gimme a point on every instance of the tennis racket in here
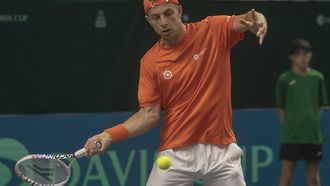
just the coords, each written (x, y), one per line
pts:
(48, 169)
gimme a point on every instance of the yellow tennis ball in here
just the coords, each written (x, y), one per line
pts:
(164, 162)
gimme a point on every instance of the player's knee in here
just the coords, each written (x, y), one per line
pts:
(288, 173)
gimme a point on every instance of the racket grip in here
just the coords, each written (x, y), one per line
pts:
(80, 153)
(83, 152)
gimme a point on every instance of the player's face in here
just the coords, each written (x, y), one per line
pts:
(301, 58)
(165, 20)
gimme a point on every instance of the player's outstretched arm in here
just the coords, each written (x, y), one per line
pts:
(142, 121)
(253, 21)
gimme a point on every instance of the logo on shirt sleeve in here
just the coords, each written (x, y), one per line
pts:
(196, 56)
(167, 74)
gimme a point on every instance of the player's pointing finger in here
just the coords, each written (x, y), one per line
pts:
(253, 12)
(261, 38)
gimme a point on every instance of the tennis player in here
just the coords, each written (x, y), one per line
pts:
(187, 74)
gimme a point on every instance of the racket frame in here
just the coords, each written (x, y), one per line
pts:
(57, 158)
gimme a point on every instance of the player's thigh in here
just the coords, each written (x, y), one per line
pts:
(312, 157)
(234, 180)
(228, 171)
(179, 173)
(312, 152)
(288, 168)
(170, 177)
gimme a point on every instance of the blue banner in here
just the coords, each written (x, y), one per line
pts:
(128, 163)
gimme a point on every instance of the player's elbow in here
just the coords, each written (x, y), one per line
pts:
(152, 115)
(153, 119)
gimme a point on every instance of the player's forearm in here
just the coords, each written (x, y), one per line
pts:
(139, 123)
(142, 121)
(281, 114)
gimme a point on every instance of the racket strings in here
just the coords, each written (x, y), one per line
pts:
(44, 171)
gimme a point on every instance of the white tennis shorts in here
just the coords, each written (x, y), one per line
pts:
(216, 165)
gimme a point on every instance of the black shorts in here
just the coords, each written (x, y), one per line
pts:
(307, 152)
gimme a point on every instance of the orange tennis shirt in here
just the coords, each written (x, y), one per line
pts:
(192, 82)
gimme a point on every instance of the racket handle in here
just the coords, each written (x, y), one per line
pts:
(80, 153)
(83, 152)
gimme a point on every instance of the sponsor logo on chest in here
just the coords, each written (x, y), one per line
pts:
(167, 74)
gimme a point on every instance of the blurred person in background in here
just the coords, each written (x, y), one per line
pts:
(300, 96)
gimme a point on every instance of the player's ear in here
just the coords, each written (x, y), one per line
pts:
(180, 10)
(147, 18)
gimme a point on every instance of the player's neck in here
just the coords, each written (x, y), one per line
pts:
(300, 70)
(167, 43)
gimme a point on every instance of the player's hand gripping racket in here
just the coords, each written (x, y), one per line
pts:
(48, 169)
